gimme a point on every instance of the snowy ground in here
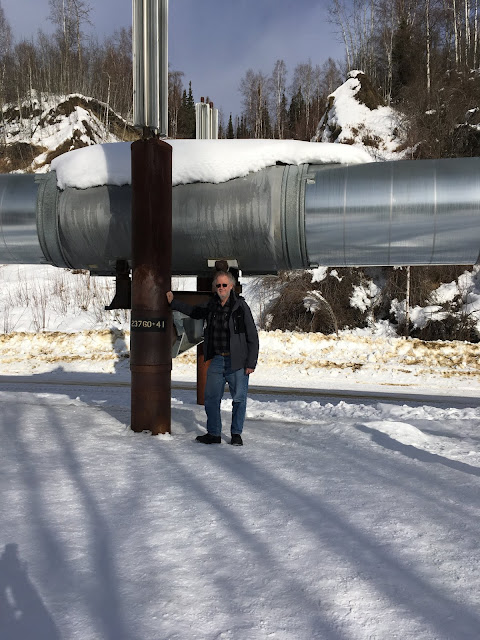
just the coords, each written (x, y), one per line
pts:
(342, 518)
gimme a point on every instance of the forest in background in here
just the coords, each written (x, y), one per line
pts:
(422, 57)
(71, 61)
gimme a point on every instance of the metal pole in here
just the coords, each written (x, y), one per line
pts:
(150, 65)
(407, 304)
(203, 284)
(138, 37)
(202, 369)
(151, 323)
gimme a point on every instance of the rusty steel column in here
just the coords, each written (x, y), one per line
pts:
(203, 284)
(151, 323)
(202, 368)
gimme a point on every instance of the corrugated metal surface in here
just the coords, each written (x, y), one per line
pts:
(394, 213)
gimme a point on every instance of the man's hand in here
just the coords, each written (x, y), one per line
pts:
(169, 295)
(249, 371)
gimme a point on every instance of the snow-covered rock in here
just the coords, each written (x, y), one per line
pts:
(356, 115)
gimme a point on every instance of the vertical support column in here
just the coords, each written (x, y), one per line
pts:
(202, 368)
(151, 323)
(203, 284)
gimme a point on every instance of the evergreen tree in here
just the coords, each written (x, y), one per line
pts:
(242, 129)
(284, 118)
(182, 117)
(296, 114)
(190, 113)
(230, 134)
(405, 59)
(186, 115)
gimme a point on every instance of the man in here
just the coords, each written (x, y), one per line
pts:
(231, 344)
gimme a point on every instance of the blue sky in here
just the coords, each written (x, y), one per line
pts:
(214, 42)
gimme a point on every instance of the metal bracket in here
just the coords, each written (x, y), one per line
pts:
(123, 287)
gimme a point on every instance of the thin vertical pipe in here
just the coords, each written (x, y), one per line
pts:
(138, 64)
(203, 284)
(150, 64)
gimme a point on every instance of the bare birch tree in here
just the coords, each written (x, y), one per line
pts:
(175, 89)
(428, 49)
(331, 77)
(254, 87)
(388, 24)
(475, 35)
(278, 82)
(456, 33)
(70, 17)
(5, 48)
(339, 15)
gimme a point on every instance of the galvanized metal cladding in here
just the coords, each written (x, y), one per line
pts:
(150, 64)
(283, 217)
(206, 120)
(19, 242)
(394, 213)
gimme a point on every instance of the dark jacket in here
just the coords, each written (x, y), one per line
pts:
(243, 332)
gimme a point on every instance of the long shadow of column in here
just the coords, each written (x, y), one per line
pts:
(23, 615)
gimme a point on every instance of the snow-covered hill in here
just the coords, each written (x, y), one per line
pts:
(39, 129)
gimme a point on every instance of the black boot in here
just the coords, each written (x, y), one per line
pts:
(207, 438)
(236, 440)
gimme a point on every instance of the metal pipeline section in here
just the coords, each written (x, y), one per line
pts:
(19, 242)
(285, 217)
(242, 219)
(410, 212)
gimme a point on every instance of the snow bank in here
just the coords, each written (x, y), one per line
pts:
(304, 360)
(198, 160)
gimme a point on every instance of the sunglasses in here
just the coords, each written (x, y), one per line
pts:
(221, 284)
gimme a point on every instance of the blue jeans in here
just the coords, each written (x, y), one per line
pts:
(218, 373)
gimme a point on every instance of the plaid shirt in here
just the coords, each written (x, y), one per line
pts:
(221, 332)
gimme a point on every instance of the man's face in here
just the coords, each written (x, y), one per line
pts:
(223, 287)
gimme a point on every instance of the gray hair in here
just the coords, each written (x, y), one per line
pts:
(227, 274)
